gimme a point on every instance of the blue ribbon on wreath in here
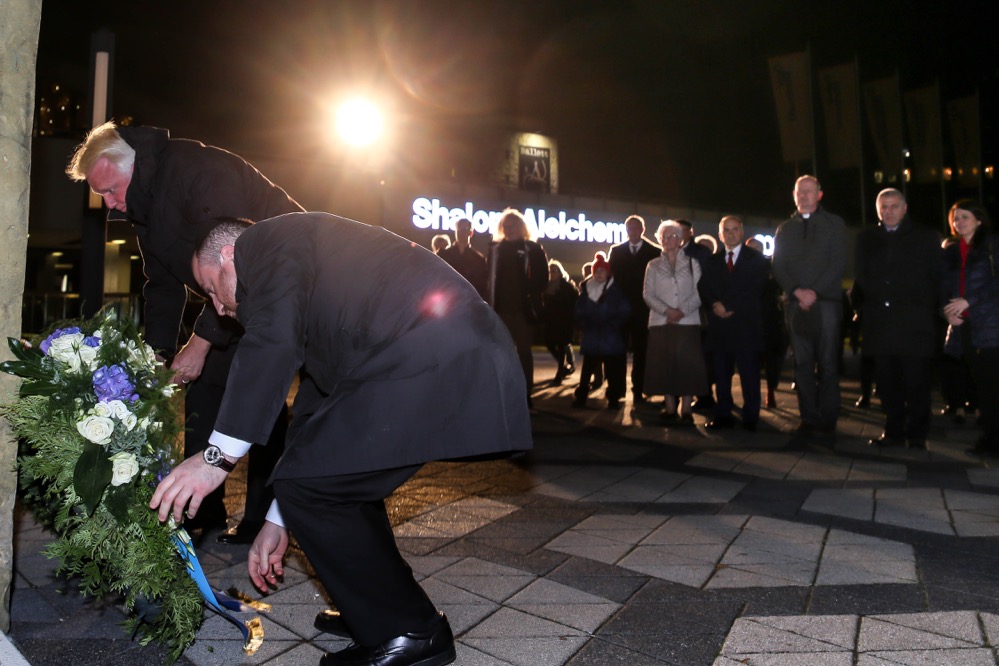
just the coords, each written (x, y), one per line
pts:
(218, 601)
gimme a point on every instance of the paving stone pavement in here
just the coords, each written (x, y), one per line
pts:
(619, 541)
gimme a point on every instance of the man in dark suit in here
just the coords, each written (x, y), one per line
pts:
(469, 262)
(898, 265)
(169, 189)
(401, 362)
(731, 287)
(628, 261)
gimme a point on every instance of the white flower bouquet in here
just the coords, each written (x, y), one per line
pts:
(98, 431)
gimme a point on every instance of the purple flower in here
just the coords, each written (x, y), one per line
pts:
(113, 383)
(92, 341)
(58, 333)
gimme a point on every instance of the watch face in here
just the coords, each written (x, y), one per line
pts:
(213, 455)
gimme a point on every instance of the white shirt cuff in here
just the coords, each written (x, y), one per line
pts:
(274, 514)
(230, 446)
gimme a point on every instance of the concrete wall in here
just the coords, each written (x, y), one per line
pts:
(19, 21)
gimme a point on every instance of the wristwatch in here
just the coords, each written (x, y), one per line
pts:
(213, 456)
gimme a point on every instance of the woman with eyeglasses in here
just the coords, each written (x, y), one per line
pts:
(674, 365)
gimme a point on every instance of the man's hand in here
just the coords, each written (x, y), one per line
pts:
(806, 297)
(190, 360)
(188, 483)
(266, 556)
(719, 309)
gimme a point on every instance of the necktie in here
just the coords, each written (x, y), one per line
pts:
(730, 261)
(634, 249)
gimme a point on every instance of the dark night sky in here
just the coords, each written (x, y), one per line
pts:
(661, 100)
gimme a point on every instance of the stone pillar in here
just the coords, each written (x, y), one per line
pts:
(19, 21)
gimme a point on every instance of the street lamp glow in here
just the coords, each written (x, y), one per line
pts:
(358, 122)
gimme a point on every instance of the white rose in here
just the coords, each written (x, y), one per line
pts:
(102, 409)
(141, 355)
(118, 409)
(123, 468)
(129, 421)
(88, 356)
(64, 347)
(144, 423)
(97, 429)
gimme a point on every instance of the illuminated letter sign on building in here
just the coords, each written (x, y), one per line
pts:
(553, 225)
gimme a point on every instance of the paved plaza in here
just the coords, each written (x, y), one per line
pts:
(618, 541)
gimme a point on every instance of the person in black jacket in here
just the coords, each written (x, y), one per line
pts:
(898, 268)
(558, 315)
(628, 261)
(394, 373)
(171, 190)
(731, 289)
(518, 275)
(971, 289)
(602, 312)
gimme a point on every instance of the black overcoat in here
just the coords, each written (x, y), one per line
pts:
(402, 362)
(178, 188)
(899, 273)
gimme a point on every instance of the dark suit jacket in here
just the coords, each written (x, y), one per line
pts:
(629, 273)
(741, 291)
(402, 361)
(899, 275)
(178, 187)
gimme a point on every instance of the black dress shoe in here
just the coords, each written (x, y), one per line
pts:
(241, 535)
(434, 647)
(750, 427)
(720, 424)
(917, 443)
(330, 622)
(885, 440)
(863, 402)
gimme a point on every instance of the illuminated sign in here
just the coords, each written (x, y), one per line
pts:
(553, 225)
(768, 243)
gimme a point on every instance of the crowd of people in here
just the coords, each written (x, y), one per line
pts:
(316, 296)
(695, 310)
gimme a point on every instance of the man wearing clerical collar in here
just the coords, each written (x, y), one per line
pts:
(809, 261)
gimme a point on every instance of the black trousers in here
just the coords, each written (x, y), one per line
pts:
(904, 386)
(341, 524)
(637, 331)
(201, 408)
(985, 369)
(615, 372)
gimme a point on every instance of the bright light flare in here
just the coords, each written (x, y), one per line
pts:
(359, 122)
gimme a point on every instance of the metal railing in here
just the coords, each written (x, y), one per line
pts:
(42, 309)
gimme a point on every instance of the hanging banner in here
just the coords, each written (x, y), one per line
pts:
(840, 94)
(884, 118)
(791, 81)
(922, 111)
(965, 135)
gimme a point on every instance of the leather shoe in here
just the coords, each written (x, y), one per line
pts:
(885, 440)
(917, 443)
(749, 427)
(434, 647)
(719, 424)
(863, 402)
(241, 535)
(330, 622)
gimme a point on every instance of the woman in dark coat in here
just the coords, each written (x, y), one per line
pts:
(971, 286)
(602, 312)
(558, 314)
